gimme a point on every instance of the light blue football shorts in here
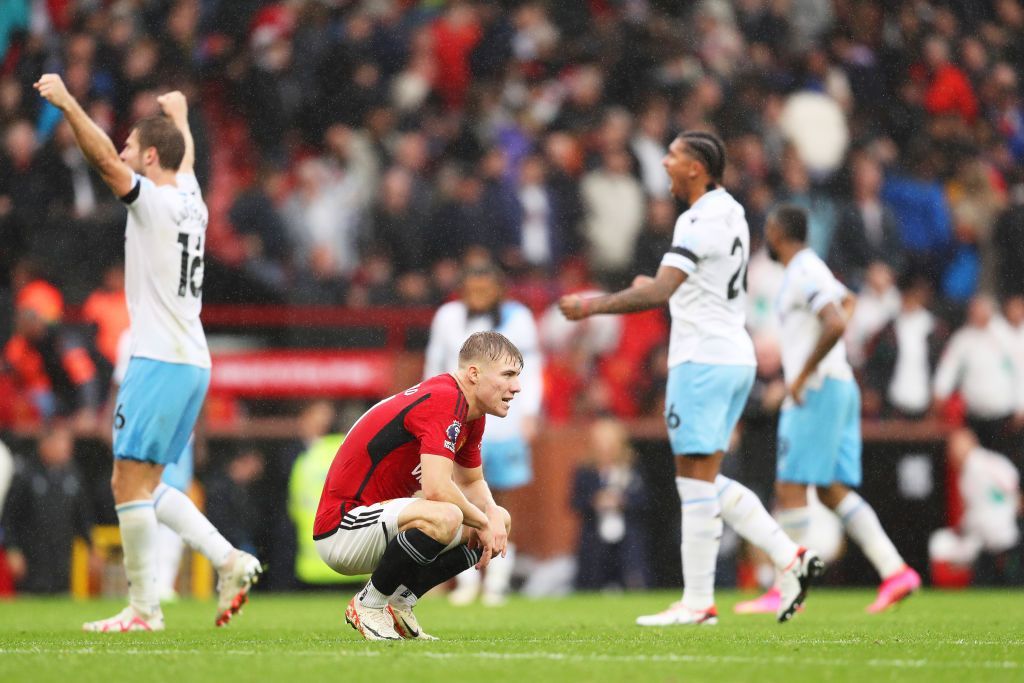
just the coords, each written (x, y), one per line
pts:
(179, 474)
(703, 402)
(157, 407)
(506, 463)
(819, 442)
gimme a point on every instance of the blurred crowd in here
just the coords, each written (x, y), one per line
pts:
(361, 153)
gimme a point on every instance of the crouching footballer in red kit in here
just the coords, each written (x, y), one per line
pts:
(425, 439)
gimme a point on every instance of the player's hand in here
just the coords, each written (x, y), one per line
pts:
(641, 280)
(573, 307)
(499, 530)
(52, 89)
(485, 541)
(174, 105)
(796, 390)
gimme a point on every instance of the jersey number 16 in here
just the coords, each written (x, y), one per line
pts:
(191, 279)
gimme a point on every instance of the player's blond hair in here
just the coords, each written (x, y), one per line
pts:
(492, 346)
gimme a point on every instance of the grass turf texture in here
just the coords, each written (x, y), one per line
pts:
(935, 636)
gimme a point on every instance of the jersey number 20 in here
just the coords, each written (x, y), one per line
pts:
(191, 279)
(741, 271)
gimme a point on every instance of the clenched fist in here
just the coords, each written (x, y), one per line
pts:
(174, 105)
(51, 87)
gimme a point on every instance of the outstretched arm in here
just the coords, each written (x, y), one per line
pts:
(644, 294)
(95, 144)
(175, 106)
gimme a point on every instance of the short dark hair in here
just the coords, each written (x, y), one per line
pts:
(160, 132)
(489, 345)
(709, 150)
(793, 221)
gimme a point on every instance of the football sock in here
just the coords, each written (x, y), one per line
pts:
(177, 511)
(168, 554)
(743, 511)
(863, 526)
(468, 580)
(447, 565)
(702, 534)
(402, 559)
(795, 522)
(138, 542)
(499, 572)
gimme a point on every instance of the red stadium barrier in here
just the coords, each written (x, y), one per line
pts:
(303, 374)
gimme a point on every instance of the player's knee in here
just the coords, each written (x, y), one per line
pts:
(448, 520)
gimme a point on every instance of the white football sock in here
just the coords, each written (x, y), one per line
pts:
(138, 542)
(403, 597)
(702, 533)
(498, 574)
(177, 511)
(371, 597)
(168, 553)
(863, 526)
(468, 580)
(744, 512)
(795, 522)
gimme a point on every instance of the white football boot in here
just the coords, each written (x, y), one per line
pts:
(679, 614)
(796, 580)
(406, 623)
(128, 619)
(373, 623)
(234, 581)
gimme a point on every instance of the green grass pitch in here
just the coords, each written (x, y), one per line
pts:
(935, 636)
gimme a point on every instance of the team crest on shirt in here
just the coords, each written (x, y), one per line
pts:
(452, 435)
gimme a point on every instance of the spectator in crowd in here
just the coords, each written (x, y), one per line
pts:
(878, 302)
(258, 221)
(614, 205)
(867, 231)
(987, 536)
(903, 355)
(47, 507)
(107, 309)
(1008, 243)
(49, 364)
(231, 505)
(980, 363)
(609, 496)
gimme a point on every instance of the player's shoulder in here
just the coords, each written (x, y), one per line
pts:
(445, 396)
(450, 310)
(717, 204)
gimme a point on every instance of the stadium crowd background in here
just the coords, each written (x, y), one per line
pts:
(357, 154)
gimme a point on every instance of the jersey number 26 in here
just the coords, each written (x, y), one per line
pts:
(741, 271)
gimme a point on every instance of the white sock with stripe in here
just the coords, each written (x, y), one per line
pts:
(138, 543)
(795, 522)
(862, 525)
(170, 548)
(702, 534)
(744, 512)
(177, 511)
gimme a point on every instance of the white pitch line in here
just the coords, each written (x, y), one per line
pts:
(547, 656)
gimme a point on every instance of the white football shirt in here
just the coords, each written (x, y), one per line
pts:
(711, 244)
(163, 251)
(807, 287)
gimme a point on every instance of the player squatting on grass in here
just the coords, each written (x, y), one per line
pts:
(169, 370)
(425, 439)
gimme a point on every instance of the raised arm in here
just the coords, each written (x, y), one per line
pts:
(175, 106)
(94, 143)
(644, 294)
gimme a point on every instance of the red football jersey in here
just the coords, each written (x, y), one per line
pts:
(380, 457)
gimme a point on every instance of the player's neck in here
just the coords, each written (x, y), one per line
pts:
(699, 190)
(161, 176)
(788, 251)
(474, 410)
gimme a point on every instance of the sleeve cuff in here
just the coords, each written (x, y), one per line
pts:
(134, 193)
(679, 262)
